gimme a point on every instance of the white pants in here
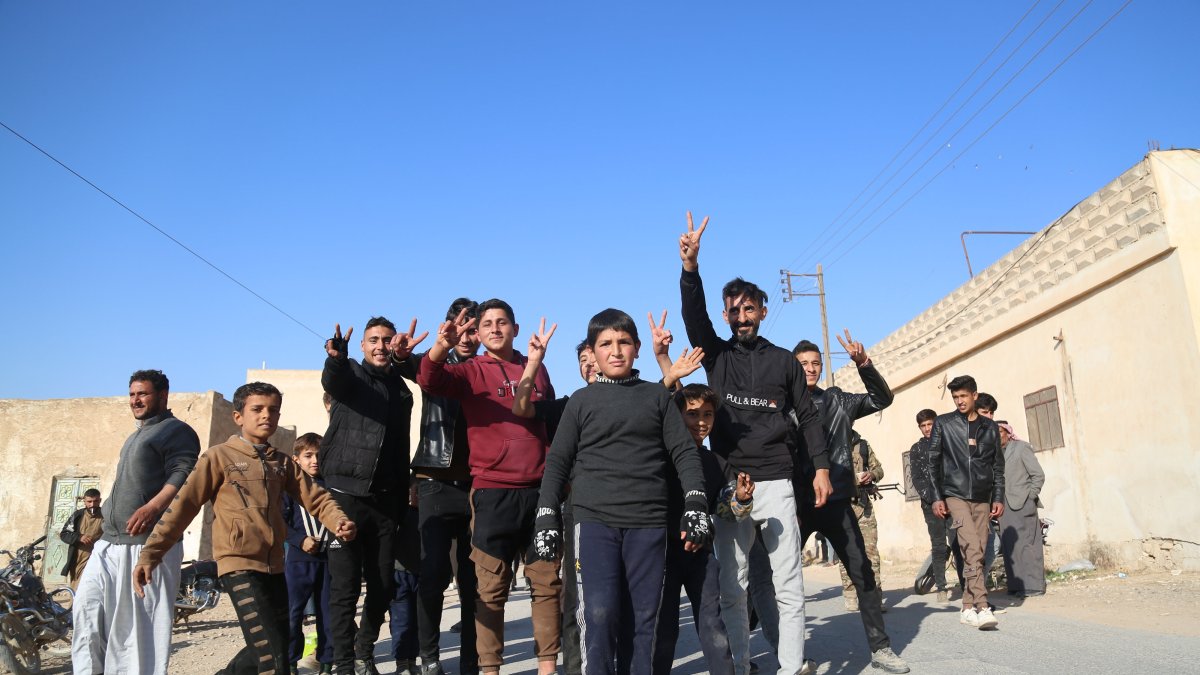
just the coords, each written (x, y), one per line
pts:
(117, 632)
(775, 512)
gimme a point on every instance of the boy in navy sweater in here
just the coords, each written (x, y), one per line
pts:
(306, 566)
(615, 443)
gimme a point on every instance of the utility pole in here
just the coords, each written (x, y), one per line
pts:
(786, 281)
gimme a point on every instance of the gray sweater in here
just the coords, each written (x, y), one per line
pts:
(161, 452)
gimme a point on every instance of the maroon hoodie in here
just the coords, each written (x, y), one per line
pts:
(506, 451)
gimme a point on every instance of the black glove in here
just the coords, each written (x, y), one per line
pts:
(695, 523)
(547, 534)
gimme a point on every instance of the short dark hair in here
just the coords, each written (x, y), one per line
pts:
(739, 287)
(963, 382)
(695, 392)
(579, 348)
(156, 378)
(926, 415)
(986, 401)
(459, 305)
(327, 398)
(306, 441)
(497, 303)
(91, 492)
(805, 346)
(613, 319)
(253, 389)
(379, 321)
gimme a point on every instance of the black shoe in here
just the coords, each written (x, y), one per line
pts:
(456, 628)
(365, 667)
(432, 668)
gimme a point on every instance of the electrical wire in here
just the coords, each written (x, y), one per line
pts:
(161, 231)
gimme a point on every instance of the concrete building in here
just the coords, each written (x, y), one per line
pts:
(1088, 335)
(53, 450)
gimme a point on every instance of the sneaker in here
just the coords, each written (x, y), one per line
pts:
(407, 667)
(969, 617)
(851, 604)
(432, 668)
(943, 595)
(986, 620)
(885, 659)
(809, 668)
(365, 667)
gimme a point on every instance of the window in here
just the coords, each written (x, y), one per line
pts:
(910, 491)
(1041, 415)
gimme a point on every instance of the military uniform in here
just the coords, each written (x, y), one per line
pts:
(864, 511)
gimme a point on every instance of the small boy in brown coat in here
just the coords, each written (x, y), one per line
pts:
(245, 478)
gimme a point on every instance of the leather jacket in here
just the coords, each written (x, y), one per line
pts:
(839, 410)
(918, 470)
(439, 415)
(958, 469)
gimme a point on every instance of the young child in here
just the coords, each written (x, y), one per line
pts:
(306, 567)
(614, 444)
(697, 573)
(245, 478)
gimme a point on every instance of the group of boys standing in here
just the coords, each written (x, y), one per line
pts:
(507, 472)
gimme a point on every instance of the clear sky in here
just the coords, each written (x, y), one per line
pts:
(350, 159)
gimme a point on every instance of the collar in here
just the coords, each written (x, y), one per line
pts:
(153, 420)
(624, 380)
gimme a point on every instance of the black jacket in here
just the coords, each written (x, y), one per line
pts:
(957, 468)
(70, 536)
(918, 470)
(439, 416)
(755, 386)
(839, 410)
(371, 406)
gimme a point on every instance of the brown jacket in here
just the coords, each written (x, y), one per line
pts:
(246, 490)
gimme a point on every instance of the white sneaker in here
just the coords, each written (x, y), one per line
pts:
(969, 617)
(809, 668)
(987, 620)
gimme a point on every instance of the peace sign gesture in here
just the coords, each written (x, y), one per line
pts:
(450, 332)
(539, 341)
(336, 346)
(689, 244)
(402, 344)
(660, 337)
(855, 349)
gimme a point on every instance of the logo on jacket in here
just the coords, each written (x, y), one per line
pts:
(237, 467)
(751, 402)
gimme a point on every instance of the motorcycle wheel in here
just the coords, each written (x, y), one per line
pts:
(18, 653)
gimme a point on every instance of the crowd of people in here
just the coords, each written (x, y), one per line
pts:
(613, 499)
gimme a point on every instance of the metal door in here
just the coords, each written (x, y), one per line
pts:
(66, 496)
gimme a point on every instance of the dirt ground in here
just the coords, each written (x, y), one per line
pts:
(1160, 602)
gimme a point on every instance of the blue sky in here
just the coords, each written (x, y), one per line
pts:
(349, 160)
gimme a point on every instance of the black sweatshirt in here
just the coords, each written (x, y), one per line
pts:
(619, 439)
(756, 385)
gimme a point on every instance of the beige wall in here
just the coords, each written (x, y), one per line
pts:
(1117, 335)
(83, 437)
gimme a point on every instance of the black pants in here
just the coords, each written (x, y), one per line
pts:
(261, 603)
(837, 522)
(939, 536)
(445, 525)
(369, 558)
(571, 654)
(697, 574)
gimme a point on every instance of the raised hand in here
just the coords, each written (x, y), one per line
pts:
(855, 349)
(402, 344)
(450, 332)
(687, 363)
(660, 337)
(689, 244)
(539, 341)
(336, 346)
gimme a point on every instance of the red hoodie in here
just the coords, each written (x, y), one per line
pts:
(506, 451)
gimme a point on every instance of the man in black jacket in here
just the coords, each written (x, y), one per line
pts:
(966, 477)
(940, 534)
(364, 459)
(80, 533)
(756, 383)
(443, 488)
(836, 520)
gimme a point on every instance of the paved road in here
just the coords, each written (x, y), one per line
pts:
(927, 635)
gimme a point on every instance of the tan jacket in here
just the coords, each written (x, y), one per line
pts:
(246, 491)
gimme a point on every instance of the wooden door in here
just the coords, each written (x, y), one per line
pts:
(66, 495)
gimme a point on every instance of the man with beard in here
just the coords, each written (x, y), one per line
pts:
(756, 383)
(80, 533)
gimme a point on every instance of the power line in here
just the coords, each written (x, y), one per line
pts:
(964, 125)
(978, 138)
(158, 229)
(921, 130)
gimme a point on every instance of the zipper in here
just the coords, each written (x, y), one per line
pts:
(241, 490)
(262, 459)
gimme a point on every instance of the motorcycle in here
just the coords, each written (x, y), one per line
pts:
(199, 590)
(30, 618)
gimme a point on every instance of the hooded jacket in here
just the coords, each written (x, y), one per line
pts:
(958, 468)
(245, 485)
(755, 386)
(371, 406)
(507, 451)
